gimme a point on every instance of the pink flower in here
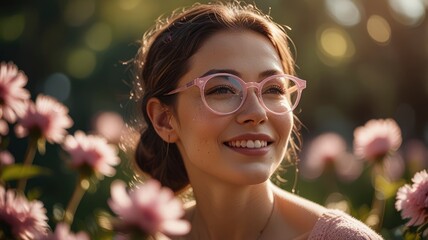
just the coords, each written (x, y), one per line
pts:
(47, 117)
(109, 125)
(26, 220)
(376, 139)
(149, 208)
(6, 158)
(13, 95)
(330, 149)
(93, 152)
(62, 232)
(412, 200)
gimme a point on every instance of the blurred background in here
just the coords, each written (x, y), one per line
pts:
(362, 59)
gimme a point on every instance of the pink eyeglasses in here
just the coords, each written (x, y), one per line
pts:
(225, 93)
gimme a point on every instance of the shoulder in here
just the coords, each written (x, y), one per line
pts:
(317, 222)
(335, 224)
(297, 212)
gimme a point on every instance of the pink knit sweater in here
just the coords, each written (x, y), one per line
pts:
(335, 224)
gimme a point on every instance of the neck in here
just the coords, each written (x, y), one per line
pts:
(231, 212)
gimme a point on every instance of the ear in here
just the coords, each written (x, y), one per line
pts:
(161, 117)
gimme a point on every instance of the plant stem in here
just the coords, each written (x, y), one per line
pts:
(28, 160)
(375, 219)
(81, 186)
(378, 209)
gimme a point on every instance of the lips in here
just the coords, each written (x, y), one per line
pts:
(248, 143)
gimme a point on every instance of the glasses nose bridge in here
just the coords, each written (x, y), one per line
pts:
(256, 86)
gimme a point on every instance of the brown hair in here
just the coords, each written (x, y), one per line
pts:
(163, 59)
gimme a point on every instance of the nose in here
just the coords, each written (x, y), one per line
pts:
(252, 110)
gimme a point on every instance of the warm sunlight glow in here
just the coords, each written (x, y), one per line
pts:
(379, 29)
(408, 12)
(334, 43)
(345, 12)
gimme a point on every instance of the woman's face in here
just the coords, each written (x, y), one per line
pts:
(206, 140)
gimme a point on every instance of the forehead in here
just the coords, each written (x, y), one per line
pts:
(245, 51)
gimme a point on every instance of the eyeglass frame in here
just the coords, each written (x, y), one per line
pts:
(200, 82)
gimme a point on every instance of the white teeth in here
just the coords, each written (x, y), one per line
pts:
(248, 143)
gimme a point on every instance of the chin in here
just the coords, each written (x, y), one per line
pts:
(252, 177)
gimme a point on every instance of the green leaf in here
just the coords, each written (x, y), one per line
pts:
(19, 171)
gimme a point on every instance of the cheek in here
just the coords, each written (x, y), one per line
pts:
(191, 109)
(290, 124)
(197, 131)
(193, 117)
(199, 143)
(284, 127)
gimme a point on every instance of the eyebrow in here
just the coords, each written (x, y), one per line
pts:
(263, 74)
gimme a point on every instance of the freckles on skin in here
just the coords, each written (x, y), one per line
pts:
(199, 119)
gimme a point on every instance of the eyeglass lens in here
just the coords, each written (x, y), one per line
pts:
(225, 94)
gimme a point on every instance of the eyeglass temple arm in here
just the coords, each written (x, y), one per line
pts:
(301, 84)
(182, 88)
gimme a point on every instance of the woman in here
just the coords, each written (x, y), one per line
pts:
(217, 90)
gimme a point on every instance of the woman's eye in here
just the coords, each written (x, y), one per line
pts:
(223, 89)
(274, 89)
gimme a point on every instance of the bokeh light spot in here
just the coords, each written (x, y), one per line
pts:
(138, 14)
(128, 4)
(77, 12)
(99, 36)
(335, 45)
(344, 12)
(58, 85)
(12, 27)
(408, 12)
(379, 29)
(333, 42)
(81, 63)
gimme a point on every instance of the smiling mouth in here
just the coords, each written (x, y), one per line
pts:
(247, 144)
